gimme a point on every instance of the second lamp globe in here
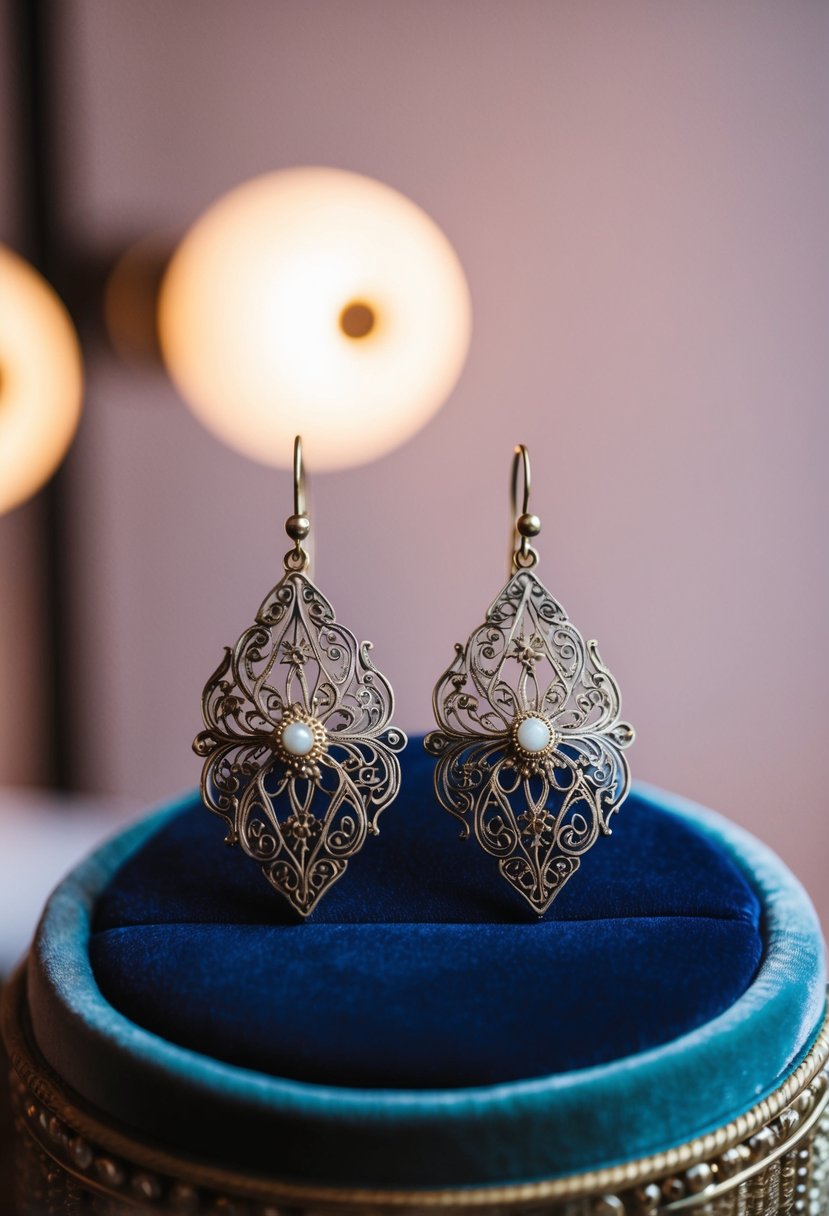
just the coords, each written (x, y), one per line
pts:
(316, 300)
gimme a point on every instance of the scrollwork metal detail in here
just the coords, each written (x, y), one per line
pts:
(300, 815)
(529, 740)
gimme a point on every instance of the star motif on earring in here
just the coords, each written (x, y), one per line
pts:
(527, 650)
(302, 826)
(296, 653)
(536, 823)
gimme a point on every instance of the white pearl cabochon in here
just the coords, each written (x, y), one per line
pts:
(533, 734)
(297, 738)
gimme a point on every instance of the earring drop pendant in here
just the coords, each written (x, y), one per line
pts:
(530, 741)
(299, 754)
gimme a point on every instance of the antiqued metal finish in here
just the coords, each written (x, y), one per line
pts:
(300, 757)
(771, 1161)
(529, 739)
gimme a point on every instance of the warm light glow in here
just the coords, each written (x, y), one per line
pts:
(41, 380)
(320, 302)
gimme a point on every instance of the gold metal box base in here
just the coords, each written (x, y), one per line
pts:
(774, 1160)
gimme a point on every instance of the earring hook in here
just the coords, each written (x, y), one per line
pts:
(523, 525)
(298, 525)
(299, 478)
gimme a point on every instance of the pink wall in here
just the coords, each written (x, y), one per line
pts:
(639, 193)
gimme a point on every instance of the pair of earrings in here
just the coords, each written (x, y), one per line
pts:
(301, 759)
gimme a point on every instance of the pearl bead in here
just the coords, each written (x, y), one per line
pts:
(297, 738)
(533, 735)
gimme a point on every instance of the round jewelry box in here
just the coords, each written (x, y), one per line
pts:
(180, 1043)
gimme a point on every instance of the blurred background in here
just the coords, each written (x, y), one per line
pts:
(638, 195)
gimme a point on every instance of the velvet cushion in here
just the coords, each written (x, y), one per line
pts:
(422, 968)
(667, 856)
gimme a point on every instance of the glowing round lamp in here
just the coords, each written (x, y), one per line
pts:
(41, 380)
(314, 301)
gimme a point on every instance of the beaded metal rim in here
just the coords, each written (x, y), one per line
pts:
(526, 762)
(680, 1178)
(306, 765)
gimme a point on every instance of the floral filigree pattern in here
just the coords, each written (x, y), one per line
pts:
(300, 759)
(530, 741)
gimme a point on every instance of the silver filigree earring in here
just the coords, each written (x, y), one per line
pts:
(530, 742)
(300, 759)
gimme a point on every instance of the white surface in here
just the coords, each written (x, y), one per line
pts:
(44, 836)
(249, 317)
(41, 384)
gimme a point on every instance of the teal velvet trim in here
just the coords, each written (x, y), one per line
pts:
(413, 1139)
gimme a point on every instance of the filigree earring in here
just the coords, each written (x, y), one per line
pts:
(300, 759)
(530, 742)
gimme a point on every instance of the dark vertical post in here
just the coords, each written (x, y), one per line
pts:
(35, 33)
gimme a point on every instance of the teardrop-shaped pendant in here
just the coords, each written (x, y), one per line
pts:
(529, 740)
(300, 759)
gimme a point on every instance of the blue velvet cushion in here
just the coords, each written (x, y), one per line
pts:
(423, 1031)
(422, 968)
